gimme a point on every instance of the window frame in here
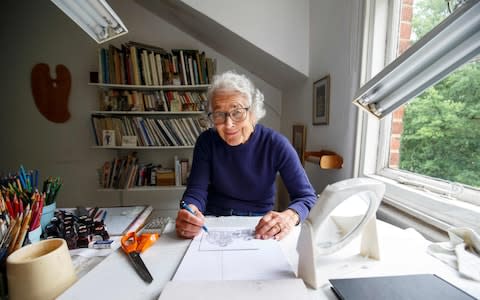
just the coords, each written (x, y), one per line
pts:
(418, 197)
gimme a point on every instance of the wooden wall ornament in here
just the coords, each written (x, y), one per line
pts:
(51, 95)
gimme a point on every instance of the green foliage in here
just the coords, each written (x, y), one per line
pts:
(426, 15)
(441, 136)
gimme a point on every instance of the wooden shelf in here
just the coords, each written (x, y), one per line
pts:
(147, 189)
(108, 112)
(142, 147)
(200, 87)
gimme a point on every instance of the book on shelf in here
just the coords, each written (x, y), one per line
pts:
(125, 172)
(178, 54)
(211, 68)
(95, 126)
(147, 47)
(159, 68)
(153, 68)
(148, 131)
(175, 133)
(178, 172)
(165, 177)
(164, 101)
(101, 66)
(184, 170)
(106, 171)
(153, 130)
(145, 68)
(133, 100)
(129, 167)
(135, 70)
(142, 64)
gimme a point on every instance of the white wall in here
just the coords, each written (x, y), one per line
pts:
(279, 27)
(334, 34)
(334, 29)
(38, 32)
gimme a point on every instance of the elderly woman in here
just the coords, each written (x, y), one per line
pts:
(235, 165)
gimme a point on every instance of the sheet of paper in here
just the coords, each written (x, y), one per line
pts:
(236, 290)
(235, 258)
(228, 239)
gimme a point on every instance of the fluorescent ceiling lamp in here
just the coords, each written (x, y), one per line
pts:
(449, 45)
(95, 17)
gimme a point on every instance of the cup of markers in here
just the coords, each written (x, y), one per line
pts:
(21, 208)
(51, 186)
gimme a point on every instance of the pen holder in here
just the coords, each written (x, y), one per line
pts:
(40, 271)
(47, 214)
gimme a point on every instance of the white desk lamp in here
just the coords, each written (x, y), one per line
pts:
(343, 210)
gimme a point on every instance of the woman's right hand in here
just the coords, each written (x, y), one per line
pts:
(188, 225)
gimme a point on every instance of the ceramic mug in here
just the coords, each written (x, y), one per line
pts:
(40, 271)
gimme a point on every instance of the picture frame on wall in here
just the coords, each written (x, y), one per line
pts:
(321, 101)
(298, 140)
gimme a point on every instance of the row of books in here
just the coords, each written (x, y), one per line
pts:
(131, 100)
(141, 64)
(127, 172)
(148, 131)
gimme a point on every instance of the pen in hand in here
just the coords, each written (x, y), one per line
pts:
(187, 208)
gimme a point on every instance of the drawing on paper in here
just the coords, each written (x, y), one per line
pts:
(240, 239)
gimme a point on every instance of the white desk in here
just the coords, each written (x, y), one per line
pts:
(402, 252)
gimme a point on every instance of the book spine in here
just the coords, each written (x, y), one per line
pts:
(178, 175)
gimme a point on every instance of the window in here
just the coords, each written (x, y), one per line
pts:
(428, 150)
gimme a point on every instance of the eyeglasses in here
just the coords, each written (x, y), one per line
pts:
(236, 115)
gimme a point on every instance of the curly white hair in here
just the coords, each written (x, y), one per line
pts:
(233, 81)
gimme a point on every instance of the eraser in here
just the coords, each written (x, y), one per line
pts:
(100, 244)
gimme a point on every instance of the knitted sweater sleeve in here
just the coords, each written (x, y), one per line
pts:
(302, 194)
(199, 179)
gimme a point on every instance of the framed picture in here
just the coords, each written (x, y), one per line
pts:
(298, 140)
(108, 138)
(321, 101)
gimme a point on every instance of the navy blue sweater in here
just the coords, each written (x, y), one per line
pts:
(242, 177)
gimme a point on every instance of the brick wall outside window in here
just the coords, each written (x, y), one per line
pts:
(397, 119)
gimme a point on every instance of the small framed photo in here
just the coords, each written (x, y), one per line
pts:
(129, 141)
(321, 101)
(298, 140)
(108, 138)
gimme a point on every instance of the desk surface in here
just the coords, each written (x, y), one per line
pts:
(402, 252)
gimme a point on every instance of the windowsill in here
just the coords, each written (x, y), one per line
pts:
(405, 219)
(429, 213)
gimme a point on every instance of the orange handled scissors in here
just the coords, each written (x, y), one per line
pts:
(133, 245)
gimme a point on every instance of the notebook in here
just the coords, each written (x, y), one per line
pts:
(402, 287)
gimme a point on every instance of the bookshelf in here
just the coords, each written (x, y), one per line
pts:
(151, 109)
(158, 129)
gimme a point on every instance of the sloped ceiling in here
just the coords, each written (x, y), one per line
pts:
(226, 42)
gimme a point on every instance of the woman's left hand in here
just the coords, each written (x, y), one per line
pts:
(276, 224)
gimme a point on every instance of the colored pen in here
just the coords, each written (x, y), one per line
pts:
(104, 215)
(187, 208)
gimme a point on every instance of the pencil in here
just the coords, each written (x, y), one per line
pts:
(187, 208)
(24, 229)
(15, 233)
(4, 242)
